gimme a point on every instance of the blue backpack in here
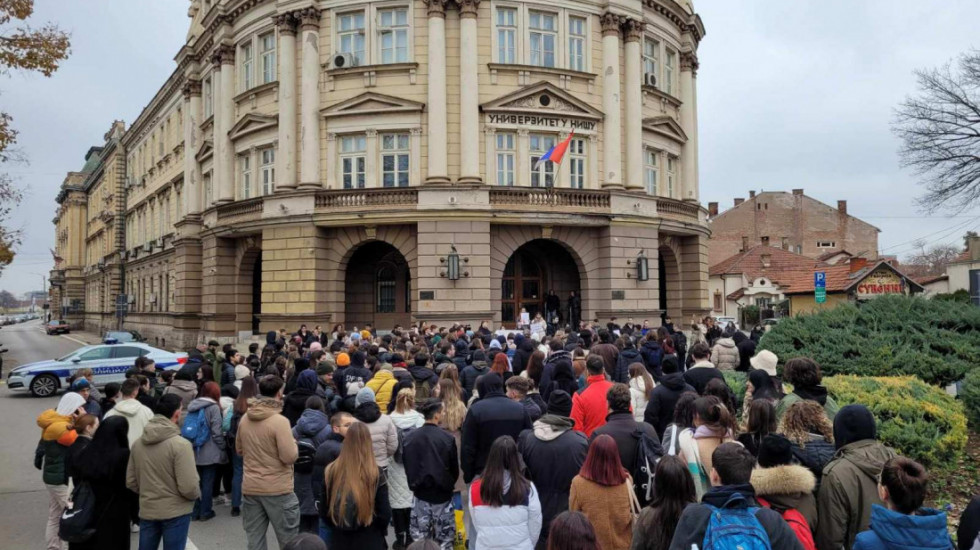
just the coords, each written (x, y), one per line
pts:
(735, 528)
(196, 428)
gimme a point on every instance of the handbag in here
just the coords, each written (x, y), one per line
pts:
(634, 502)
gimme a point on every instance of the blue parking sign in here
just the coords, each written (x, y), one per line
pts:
(820, 286)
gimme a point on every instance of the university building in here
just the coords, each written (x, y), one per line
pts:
(378, 161)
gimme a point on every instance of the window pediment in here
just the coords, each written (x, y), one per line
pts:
(665, 126)
(205, 151)
(531, 100)
(371, 103)
(252, 123)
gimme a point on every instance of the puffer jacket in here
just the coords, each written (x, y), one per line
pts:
(384, 434)
(788, 487)
(213, 451)
(652, 355)
(817, 453)
(638, 397)
(510, 527)
(383, 383)
(626, 357)
(890, 530)
(53, 447)
(725, 354)
(137, 414)
(848, 489)
(162, 471)
(399, 495)
(313, 426)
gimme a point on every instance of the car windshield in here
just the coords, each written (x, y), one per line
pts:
(119, 336)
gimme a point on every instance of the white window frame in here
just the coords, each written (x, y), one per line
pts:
(506, 158)
(507, 53)
(670, 167)
(246, 57)
(245, 180)
(670, 71)
(544, 34)
(268, 56)
(578, 163)
(651, 171)
(577, 50)
(826, 244)
(353, 33)
(547, 168)
(208, 92)
(267, 170)
(395, 30)
(353, 154)
(651, 57)
(397, 151)
(521, 32)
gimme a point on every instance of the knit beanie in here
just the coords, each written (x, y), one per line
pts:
(316, 346)
(343, 359)
(854, 423)
(559, 403)
(241, 371)
(364, 395)
(775, 450)
(324, 367)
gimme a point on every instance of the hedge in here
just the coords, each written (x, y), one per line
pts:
(970, 394)
(937, 341)
(737, 381)
(918, 420)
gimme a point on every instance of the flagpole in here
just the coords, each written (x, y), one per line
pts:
(563, 156)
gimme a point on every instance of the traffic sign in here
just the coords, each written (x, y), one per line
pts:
(820, 286)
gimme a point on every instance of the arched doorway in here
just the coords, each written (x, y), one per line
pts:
(533, 270)
(670, 282)
(377, 287)
(256, 293)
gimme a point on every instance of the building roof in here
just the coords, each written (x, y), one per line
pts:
(751, 265)
(830, 254)
(929, 279)
(839, 278)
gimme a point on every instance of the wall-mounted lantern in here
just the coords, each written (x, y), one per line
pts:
(642, 267)
(452, 261)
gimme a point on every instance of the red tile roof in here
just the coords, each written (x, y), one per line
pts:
(839, 278)
(750, 263)
(830, 254)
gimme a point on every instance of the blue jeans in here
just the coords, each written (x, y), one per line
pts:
(173, 532)
(324, 533)
(202, 506)
(236, 480)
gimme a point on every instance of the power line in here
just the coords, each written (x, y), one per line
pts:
(954, 228)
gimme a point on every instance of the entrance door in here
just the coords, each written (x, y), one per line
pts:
(521, 287)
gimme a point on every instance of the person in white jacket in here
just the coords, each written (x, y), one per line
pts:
(138, 414)
(641, 387)
(504, 508)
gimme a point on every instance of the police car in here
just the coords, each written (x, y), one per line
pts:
(109, 363)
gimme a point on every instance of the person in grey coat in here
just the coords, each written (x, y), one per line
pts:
(212, 453)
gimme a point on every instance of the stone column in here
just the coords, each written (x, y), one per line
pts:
(310, 100)
(523, 176)
(372, 177)
(689, 155)
(225, 161)
(218, 144)
(438, 160)
(192, 170)
(611, 126)
(286, 155)
(469, 99)
(633, 30)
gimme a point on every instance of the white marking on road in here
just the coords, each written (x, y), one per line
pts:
(74, 339)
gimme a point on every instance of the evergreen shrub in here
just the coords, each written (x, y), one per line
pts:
(970, 394)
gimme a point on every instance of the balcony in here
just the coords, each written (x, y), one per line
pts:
(534, 199)
(350, 200)
(247, 210)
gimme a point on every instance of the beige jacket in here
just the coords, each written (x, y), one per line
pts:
(265, 442)
(161, 470)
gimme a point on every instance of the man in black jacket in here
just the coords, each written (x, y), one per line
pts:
(431, 466)
(524, 351)
(703, 370)
(621, 426)
(493, 416)
(554, 453)
(731, 490)
(468, 375)
(557, 355)
(423, 375)
(660, 409)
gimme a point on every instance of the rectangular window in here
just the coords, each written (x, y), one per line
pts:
(393, 34)
(671, 175)
(669, 72)
(267, 45)
(826, 244)
(208, 190)
(248, 66)
(506, 158)
(576, 43)
(717, 306)
(394, 160)
(651, 170)
(577, 163)
(208, 97)
(651, 59)
(350, 35)
(763, 302)
(543, 35)
(506, 35)
(352, 160)
(544, 175)
(268, 171)
(245, 165)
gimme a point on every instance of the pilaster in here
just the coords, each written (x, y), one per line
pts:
(689, 121)
(469, 99)
(633, 32)
(310, 99)
(438, 162)
(286, 153)
(225, 160)
(612, 127)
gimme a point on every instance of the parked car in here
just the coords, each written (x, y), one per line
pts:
(122, 337)
(58, 326)
(109, 363)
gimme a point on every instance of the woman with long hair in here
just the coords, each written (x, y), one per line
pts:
(762, 422)
(760, 386)
(453, 408)
(103, 466)
(212, 453)
(603, 491)
(501, 366)
(682, 425)
(713, 425)
(572, 531)
(535, 367)
(356, 498)
(504, 508)
(452, 373)
(810, 435)
(641, 389)
(406, 419)
(673, 490)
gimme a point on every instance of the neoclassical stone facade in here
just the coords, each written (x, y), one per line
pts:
(317, 161)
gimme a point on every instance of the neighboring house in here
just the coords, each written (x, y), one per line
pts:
(964, 273)
(754, 278)
(856, 280)
(934, 284)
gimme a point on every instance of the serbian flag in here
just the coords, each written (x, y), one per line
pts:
(556, 153)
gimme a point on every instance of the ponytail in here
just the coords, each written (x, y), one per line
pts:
(715, 415)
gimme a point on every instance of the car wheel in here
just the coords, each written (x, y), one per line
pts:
(44, 385)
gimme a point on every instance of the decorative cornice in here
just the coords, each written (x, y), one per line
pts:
(309, 19)
(468, 8)
(611, 23)
(689, 61)
(436, 8)
(192, 88)
(286, 22)
(633, 29)
(224, 54)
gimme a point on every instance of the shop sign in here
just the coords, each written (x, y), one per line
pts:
(881, 281)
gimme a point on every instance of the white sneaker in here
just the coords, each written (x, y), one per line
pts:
(134, 528)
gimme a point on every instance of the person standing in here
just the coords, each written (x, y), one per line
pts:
(589, 408)
(85, 426)
(811, 436)
(136, 414)
(406, 420)
(641, 390)
(311, 430)
(663, 399)
(490, 418)
(703, 370)
(431, 467)
(161, 470)
(294, 404)
(603, 492)
(57, 436)
(574, 310)
(268, 450)
(805, 377)
(609, 354)
(713, 426)
(384, 434)
(356, 505)
(210, 454)
(785, 487)
(103, 466)
(326, 453)
(517, 389)
(673, 490)
(503, 506)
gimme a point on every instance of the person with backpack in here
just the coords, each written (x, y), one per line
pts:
(673, 491)
(637, 442)
(431, 468)
(406, 420)
(425, 378)
(294, 404)
(57, 435)
(729, 517)
(663, 399)
(311, 430)
(603, 491)
(786, 488)
(202, 427)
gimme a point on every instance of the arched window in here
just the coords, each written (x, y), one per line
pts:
(385, 284)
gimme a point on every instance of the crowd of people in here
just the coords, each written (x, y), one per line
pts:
(607, 437)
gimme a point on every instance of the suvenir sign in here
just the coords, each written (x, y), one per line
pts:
(880, 282)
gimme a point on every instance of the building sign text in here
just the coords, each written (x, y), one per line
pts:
(543, 121)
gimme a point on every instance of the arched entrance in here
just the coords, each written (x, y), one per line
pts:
(377, 287)
(670, 282)
(248, 290)
(533, 270)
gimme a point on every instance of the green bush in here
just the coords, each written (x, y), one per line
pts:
(970, 394)
(918, 420)
(937, 341)
(961, 295)
(737, 381)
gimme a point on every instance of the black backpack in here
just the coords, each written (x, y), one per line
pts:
(304, 460)
(78, 521)
(648, 454)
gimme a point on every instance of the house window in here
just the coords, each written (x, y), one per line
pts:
(717, 306)
(506, 35)
(268, 170)
(267, 47)
(651, 170)
(543, 35)
(394, 160)
(576, 163)
(763, 302)
(671, 175)
(245, 164)
(386, 290)
(826, 244)
(208, 190)
(543, 175)
(248, 66)
(669, 61)
(506, 157)
(352, 160)
(350, 35)
(393, 31)
(651, 58)
(208, 97)
(164, 216)
(576, 43)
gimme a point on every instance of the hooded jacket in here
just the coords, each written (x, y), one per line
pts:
(162, 471)
(384, 434)
(652, 355)
(788, 487)
(725, 355)
(554, 453)
(847, 491)
(468, 375)
(558, 360)
(383, 384)
(136, 413)
(817, 453)
(423, 375)
(891, 530)
(525, 349)
(660, 409)
(627, 356)
(53, 447)
(185, 389)
(267, 448)
(814, 393)
(294, 403)
(700, 374)
(213, 451)
(314, 427)
(431, 463)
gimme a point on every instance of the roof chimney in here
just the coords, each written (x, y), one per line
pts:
(766, 260)
(739, 201)
(751, 194)
(857, 264)
(842, 207)
(798, 192)
(712, 209)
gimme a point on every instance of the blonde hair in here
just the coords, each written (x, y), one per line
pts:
(453, 409)
(353, 478)
(405, 401)
(802, 419)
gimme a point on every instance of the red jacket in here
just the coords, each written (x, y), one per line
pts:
(590, 408)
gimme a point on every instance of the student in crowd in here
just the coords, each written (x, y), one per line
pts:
(731, 495)
(760, 387)
(713, 426)
(185, 383)
(268, 450)
(517, 389)
(968, 533)
(111, 395)
(811, 436)
(384, 434)
(786, 487)
(850, 482)
(326, 453)
(103, 466)
(425, 378)
(212, 453)
(554, 453)
(761, 422)
(383, 384)
(294, 404)
(161, 470)
(562, 379)
(431, 467)
(57, 436)
(535, 367)
(805, 377)
(357, 509)
(663, 399)
(673, 491)
(310, 431)
(641, 390)
(488, 419)
(652, 354)
(703, 370)
(603, 491)
(406, 420)
(83, 387)
(249, 390)
(746, 349)
(85, 426)
(724, 354)
(504, 509)
(623, 428)
(469, 373)
(136, 414)
(573, 531)
(589, 408)
(628, 356)
(609, 354)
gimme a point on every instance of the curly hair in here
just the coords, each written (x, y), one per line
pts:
(802, 371)
(804, 418)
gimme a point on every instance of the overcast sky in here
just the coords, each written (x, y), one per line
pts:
(793, 94)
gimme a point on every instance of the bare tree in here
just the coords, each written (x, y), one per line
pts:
(940, 133)
(931, 261)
